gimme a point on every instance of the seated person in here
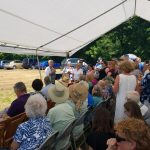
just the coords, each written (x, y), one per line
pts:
(97, 95)
(145, 110)
(132, 110)
(131, 134)
(102, 130)
(37, 85)
(32, 133)
(62, 114)
(48, 84)
(17, 106)
(78, 94)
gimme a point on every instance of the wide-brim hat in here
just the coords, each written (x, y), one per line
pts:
(65, 80)
(78, 91)
(58, 93)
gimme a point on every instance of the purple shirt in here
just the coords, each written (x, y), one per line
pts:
(17, 106)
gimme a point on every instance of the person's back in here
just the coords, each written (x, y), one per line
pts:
(60, 116)
(34, 130)
(102, 130)
(17, 106)
(45, 89)
(126, 83)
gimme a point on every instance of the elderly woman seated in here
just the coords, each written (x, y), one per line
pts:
(32, 133)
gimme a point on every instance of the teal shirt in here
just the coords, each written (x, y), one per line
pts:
(97, 100)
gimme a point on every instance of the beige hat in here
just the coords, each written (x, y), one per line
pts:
(65, 80)
(78, 92)
(58, 93)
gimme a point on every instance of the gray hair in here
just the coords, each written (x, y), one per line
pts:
(20, 86)
(47, 80)
(133, 96)
(35, 106)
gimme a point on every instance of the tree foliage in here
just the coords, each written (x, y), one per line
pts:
(132, 36)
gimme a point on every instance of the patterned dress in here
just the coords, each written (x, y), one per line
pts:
(32, 133)
(145, 94)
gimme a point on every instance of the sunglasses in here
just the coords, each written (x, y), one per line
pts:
(119, 139)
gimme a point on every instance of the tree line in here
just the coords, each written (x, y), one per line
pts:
(133, 36)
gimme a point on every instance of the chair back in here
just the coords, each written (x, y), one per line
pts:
(48, 144)
(11, 128)
(67, 130)
(50, 105)
(80, 120)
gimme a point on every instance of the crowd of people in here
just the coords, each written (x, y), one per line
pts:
(125, 81)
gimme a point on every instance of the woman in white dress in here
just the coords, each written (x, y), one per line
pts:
(124, 82)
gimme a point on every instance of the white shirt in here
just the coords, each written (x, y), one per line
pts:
(47, 71)
(45, 91)
(77, 73)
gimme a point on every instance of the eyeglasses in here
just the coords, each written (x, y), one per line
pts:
(119, 139)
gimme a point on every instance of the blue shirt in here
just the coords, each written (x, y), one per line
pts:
(32, 133)
(90, 100)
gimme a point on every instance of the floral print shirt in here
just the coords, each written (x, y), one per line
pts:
(32, 133)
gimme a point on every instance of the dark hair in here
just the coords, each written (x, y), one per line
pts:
(20, 86)
(134, 109)
(102, 121)
(105, 62)
(37, 84)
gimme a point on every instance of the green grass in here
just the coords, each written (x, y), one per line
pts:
(9, 77)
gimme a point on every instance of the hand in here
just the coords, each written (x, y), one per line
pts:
(112, 144)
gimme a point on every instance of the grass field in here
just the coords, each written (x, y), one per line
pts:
(7, 80)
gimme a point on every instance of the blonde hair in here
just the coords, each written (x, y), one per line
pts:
(35, 106)
(126, 66)
(135, 130)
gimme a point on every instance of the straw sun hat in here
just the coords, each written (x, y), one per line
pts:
(65, 80)
(78, 92)
(58, 93)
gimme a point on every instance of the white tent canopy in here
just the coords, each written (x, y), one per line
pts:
(61, 27)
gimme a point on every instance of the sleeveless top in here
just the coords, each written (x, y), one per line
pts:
(126, 83)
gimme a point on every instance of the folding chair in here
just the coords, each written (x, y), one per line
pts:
(64, 135)
(78, 122)
(48, 144)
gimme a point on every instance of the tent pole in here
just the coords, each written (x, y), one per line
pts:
(38, 64)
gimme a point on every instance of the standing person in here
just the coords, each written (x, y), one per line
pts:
(77, 72)
(50, 71)
(68, 70)
(124, 82)
(145, 90)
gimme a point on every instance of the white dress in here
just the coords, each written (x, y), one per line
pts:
(126, 83)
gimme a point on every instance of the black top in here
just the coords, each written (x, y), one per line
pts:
(98, 140)
(102, 74)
